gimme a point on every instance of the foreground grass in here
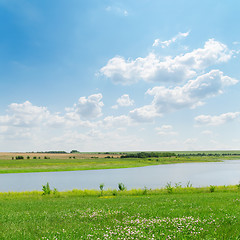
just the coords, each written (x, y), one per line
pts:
(53, 165)
(136, 214)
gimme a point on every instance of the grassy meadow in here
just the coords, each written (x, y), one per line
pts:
(174, 212)
(42, 162)
(180, 213)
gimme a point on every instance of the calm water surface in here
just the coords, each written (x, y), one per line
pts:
(199, 174)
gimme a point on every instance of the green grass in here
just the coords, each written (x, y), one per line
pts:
(186, 213)
(52, 165)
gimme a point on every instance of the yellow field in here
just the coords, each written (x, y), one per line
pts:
(9, 155)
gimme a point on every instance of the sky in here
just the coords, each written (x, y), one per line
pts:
(133, 75)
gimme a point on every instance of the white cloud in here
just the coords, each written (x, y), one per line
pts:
(88, 108)
(116, 122)
(165, 44)
(165, 130)
(124, 101)
(216, 120)
(191, 94)
(168, 69)
(24, 114)
(144, 114)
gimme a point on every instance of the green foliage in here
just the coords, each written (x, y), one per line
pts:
(55, 192)
(169, 187)
(19, 157)
(114, 192)
(74, 151)
(212, 188)
(121, 187)
(178, 185)
(145, 191)
(46, 189)
(148, 155)
(189, 185)
(101, 186)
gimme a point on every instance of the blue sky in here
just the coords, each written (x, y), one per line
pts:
(119, 75)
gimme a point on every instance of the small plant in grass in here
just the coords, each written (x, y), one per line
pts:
(46, 189)
(101, 186)
(55, 192)
(189, 185)
(178, 185)
(114, 192)
(145, 190)
(212, 188)
(169, 187)
(121, 187)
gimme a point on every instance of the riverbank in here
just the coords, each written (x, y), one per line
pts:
(181, 213)
(73, 163)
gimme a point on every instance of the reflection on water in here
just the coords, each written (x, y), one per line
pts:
(199, 174)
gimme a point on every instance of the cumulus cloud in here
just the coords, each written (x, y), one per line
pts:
(216, 120)
(88, 108)
(29, 116)
(169, 69)
(144, 114)
(192, 93)
(24, 114)
(166, 43)
(124, 101)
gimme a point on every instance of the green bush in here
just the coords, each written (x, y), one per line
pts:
(121, 187)
(46, 189)
(212, 188)
(169, 187)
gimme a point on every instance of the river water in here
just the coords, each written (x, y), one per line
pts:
(199, 175)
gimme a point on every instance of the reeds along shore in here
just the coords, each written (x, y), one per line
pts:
(168, 189)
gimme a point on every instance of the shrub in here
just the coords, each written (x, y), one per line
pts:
(169, 187)
(101, 186)
(178, 185)
(46, 189)
(56, 192)
(145, 190)
(189, 184)
(19, 157)
(212, 188)
(121, 187)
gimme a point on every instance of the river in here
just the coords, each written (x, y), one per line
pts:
(199, 175)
